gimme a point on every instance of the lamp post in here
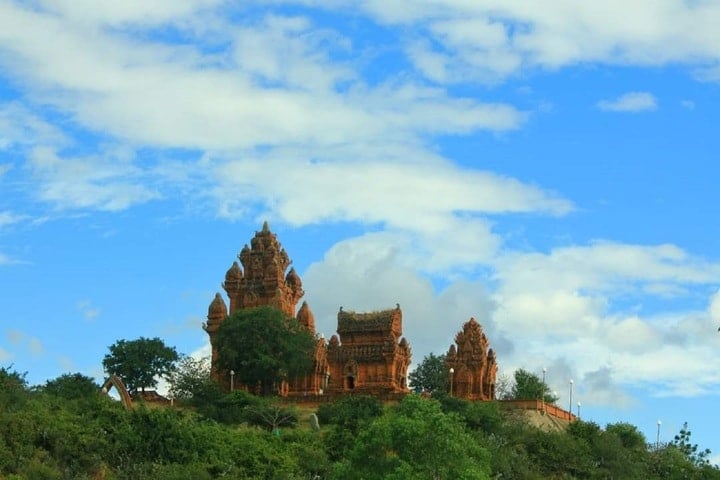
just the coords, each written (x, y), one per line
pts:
(657, 439)
(452, 371)
(579, 405)
(571, 392)
(232, 381)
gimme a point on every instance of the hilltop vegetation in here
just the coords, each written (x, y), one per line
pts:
(66, 430)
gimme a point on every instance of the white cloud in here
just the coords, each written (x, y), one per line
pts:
(373, 272)
(289, 51)
(18, 338)
(630, 102)
(9, 218)
(35, 346)
(601, 388)
(4, 355)
(14, 336)
(275, 87)
(163, 95)
(488, 40)
(88, 310)
(110, 182)
(603, 266)
(531, 320)
(20, 127)
(632, 335)
(107, 12)
(7, 260)
(438, 203)
(474, 49)
(709, 74)
(569, 301)
(205, 351)
(715, 307)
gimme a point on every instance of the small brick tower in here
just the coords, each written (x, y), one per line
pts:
(369, 356)
(474, 364)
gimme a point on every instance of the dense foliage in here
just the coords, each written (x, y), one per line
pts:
(191, 377)
(140, 362)
(431, 375)
(264, 346)
(65, 429)
(528, 386)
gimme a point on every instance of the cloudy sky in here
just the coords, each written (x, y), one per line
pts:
(547, 169)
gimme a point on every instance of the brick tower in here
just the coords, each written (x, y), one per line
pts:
(262, 281)
(474, 364)
(369, 356)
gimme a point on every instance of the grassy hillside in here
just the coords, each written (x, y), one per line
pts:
(66, 430)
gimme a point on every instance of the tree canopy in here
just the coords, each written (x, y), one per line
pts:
(191, 378)
(72, 386)
(49, 432)
(263, 346)
(415, 440)
(528, 386)
(139, 362)
(431, 375)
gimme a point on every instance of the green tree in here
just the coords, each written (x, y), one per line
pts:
(431, 375)
(668, 462)
(528, 386)
(558, 454)
(139, 362)
(72, 386)
(350, 412)
(271, 416)
(263, 346)
(484, 416)
(681, 441)
(417, 441)
(13, 389)
(503, 387)
(191, 378)
(629, 435)
(607, 454)
(346, 418)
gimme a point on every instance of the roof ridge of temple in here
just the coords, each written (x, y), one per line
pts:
(373, 313)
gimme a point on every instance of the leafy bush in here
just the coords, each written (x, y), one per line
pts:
(350, 412)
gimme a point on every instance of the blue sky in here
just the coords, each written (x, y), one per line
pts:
(549, 170)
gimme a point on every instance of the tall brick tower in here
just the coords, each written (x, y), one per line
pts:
(262, 281)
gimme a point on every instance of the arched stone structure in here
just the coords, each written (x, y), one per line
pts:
(115, 381)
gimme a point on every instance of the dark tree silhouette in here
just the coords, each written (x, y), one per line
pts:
(139, 362)
(263, 346)
(528, 386)
(431, 375)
